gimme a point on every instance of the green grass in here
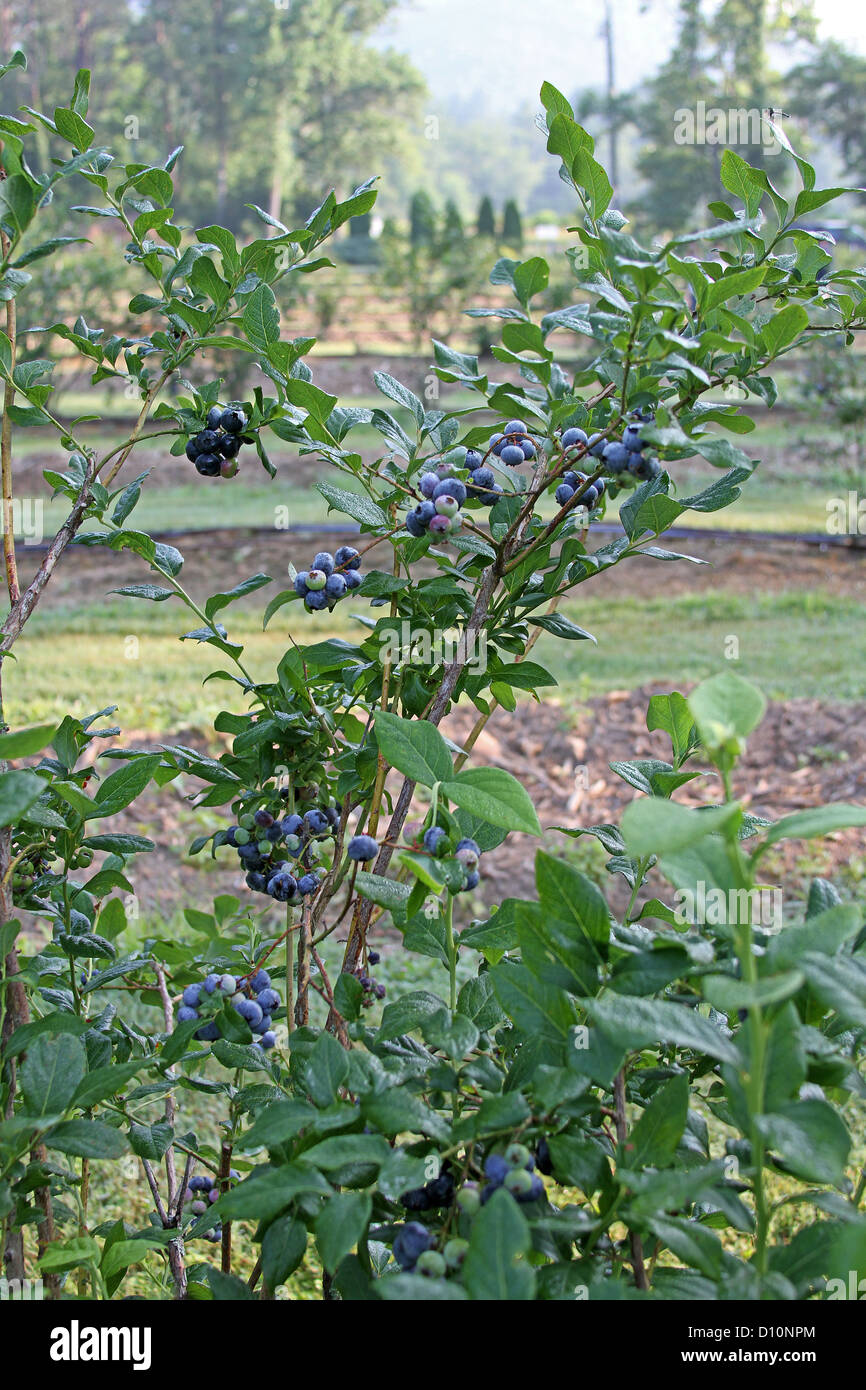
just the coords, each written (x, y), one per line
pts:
(799, 643)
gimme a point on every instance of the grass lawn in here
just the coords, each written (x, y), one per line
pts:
(803, 642)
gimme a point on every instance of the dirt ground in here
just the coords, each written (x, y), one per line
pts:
(805, 753)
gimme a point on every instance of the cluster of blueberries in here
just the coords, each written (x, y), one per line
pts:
(329, 578)
(214, 450)
(253, 998)
(513, 446)
(439, 1192)
(259, 837)
(438, 844)
(617, 456)
(439, 510)
(512, 1170)
(204, 1183)
(372, 991)
(414, 1245)
(414, 1252)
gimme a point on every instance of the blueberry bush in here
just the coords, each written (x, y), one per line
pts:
(661, 1104)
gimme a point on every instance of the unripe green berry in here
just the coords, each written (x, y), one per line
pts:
(455, 1252)
(431, 1264)
(518, 1155)
(469, 1200)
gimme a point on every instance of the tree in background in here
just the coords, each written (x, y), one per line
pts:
(272, 104)
(422, 219)
(453, 229)
(512, 225)
(486, 224)
(830, 89)
(719, 60)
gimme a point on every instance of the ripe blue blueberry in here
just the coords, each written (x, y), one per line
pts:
(292, 825)
(515, 427)
(616, 457)
(472, 460)
(411, 1241)
(262, 1026)
(573, 436)
(496, 1169)
(433, 839)
(192, 450)
(300, 585)
(249, 853)
(308, 884)
(354, 580)
(268, 999)
(428, 483)
(209, 1032)
(336, 586)
(414, 526)
(233, 421)
(315, 602)
(644, 468)
(316, 822)
(564, 494)
(589, 498)
(473, 878)
(597, 445)
(263, 818)
(425, 512)
(483, 478)
(347, 558)
(572, 479)
(282, 887)
(324, 562)
(229, 445)
(496, 442)
(599, 486)
(208, 465)
(214, 417)
(192, 996)
(185, 1013)
(362, 848)
(250, 1010)
(528, 448)
(268, 1039)
(632, 438)
(210, 983)
(206, 441)
(261, 980)
(256, 881)
(450, 487)
(512, 455)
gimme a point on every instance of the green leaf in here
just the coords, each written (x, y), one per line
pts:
(840, 984)
(407, 1014)
(653, 1141)
(261, 318)
(538, 1009)
(247, 586)
(283, 1248)
(353, 504)
(726, 708)
(817, 821)
(23, 743)
(672, 714)
(87, 1139)
(496, 1268)
(494, 796)
(51, 1073)
(653, 825)
(731, 285)
(636, 1023)
(18, 791)
(69, 1254)
(783, 328)
(124, 785)
(566, 894)
(386, 892)
(340, 1226)
(325, 1070)
(810, 1139)
(415, 747)
(278, 1122)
